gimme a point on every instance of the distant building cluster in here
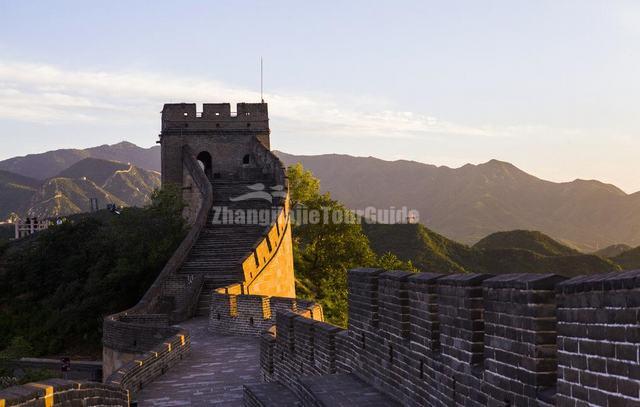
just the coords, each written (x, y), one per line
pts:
(29, 226)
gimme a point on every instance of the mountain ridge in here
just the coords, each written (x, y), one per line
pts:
(70, 191)
(472, 201)
(50, 163)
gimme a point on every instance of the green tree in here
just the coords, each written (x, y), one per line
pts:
(325, 250)
(390, 261)
(303, 186)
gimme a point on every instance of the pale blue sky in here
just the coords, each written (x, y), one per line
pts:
(551, 86)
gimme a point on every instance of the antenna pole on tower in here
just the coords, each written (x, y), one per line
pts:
(261, 81)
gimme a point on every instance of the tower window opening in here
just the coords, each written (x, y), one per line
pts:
(204, 159)
(246, 159)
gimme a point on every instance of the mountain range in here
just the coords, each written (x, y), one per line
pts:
(50, 164)
(70, 191)
(468, 203)
(464, 204)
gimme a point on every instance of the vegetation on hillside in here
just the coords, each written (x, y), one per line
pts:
(533, 241)
(524, 252)
(427, 250)
(629, 260)
(56, 287)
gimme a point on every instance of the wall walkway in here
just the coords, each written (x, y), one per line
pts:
(212, 374)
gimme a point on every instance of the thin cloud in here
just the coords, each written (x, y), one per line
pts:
(32, 92)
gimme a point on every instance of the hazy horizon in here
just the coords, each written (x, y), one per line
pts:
(378, 158)
(547, 86)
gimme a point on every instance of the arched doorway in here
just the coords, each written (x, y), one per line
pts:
(205, 162)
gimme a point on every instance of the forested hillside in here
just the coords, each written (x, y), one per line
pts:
(57, 285)
(508, 252)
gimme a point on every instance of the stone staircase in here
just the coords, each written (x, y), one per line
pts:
(217, 253)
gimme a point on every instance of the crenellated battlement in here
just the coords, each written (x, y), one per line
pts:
(248, 117)
(241, 314)
(473, 339)
(60, 392)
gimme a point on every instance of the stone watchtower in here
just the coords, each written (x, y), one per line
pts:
(223, 141)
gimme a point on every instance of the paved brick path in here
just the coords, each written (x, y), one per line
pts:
(212, 375)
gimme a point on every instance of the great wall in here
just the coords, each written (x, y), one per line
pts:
(221, 324)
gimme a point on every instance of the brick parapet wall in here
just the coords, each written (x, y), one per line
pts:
(135, 374)
(58, 392)
(302, 346)
(267, 348)
(343, 347)
(251, 315)
(80, 370)
(423, 312)
(128, 336)
(520, 337)
(268, 267)
(474, 340)
(599, 340)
